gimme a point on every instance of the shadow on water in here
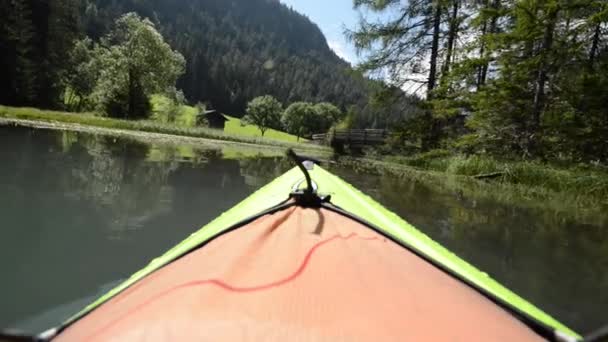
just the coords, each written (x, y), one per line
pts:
(81, 212)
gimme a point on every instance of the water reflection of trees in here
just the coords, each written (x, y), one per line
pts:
(553, 259)
(111, 174)
(260, 171)
(85, 210)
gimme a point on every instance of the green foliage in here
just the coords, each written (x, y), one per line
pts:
(35, 39)
(409, 136)
(305, 119)
(264, 112)
(589, 183)
(396, 45)
(533, 174)
(329, 113)
(186, 116)
(174, 111)
(118, 75)
(431, 160)
(299, 118)
(237, 127)
(528, 81)
(21, 33)
(472, 165)
(539, 106)
(131, 103)
(81, 76)
(134, 62)
(580, 203)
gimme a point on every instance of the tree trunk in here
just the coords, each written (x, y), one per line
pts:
(483, 75)
(541, 79)
(71, 98)
(132, 95)
(453, 32)
(482, 54)
(430, 139)
(595, 44)
(434, 49)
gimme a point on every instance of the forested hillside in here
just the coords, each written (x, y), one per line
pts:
(235, 50)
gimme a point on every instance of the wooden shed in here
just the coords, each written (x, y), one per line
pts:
(213, 118)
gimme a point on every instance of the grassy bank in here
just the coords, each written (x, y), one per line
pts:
(582, 188)
(150, 126)
(579, 190)
(584, 180)
(578, 206)
(186, 117)
(237, 127)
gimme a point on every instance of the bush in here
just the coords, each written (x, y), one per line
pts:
(432, 160)
(473, 165)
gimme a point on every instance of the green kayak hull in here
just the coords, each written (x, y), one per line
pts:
(351, 200)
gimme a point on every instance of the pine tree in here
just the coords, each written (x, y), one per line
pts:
(489, 16)
(63, 30)
(452, 36)
(400, 48)
(21, 36)
(6, 53)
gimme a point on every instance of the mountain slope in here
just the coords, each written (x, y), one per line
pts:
(240, 49)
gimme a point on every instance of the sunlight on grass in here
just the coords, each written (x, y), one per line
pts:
(571, 180)
(150, 126)
(234, 126)
(186, 117)
(585, 202)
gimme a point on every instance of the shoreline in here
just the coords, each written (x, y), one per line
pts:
(140, 135)
(581, 204)
(159, 137)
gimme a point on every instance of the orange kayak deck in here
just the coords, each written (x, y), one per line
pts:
(300, 275)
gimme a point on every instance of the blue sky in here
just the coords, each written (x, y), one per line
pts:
(331, 16)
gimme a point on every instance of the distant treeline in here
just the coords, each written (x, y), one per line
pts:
(235, 50)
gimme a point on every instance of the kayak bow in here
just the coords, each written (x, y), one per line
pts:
(342, 268)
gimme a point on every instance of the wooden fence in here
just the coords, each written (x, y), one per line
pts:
(352, 137)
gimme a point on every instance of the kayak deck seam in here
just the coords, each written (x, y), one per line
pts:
(232, 288)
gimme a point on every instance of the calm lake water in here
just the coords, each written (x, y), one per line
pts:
(79, 213)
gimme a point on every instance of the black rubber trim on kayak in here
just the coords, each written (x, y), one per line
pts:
(538, 327)
(286, 204)
(8, 337)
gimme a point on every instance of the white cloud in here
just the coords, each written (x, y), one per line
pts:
(341, 50)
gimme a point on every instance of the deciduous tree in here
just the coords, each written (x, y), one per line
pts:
(135, 62)
(264, 112)
(331, 113)
(298, 118)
